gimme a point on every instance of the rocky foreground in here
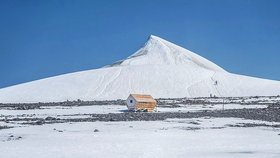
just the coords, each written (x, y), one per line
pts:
(270, 113)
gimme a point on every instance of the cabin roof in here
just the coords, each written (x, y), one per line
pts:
(143, 98)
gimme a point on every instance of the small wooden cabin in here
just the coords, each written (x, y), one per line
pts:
(141, 102)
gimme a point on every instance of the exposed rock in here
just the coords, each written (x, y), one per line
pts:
(5, 127)
(40, 122)
(50, 118)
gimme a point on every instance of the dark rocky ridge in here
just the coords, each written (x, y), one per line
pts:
(264, 114)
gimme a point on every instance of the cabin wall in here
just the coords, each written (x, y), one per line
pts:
(150, 106)
(130, 105)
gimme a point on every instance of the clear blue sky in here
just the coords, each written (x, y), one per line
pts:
(43, 38)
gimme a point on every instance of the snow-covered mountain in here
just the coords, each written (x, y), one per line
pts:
(160, 68)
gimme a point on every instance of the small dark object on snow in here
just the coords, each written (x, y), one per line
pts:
(4, 127)
(194, 123)
(50, 118)
(40, 122)
(96, 130)
(112, 119)
(27, 107)
(216, 83)
(11, 136)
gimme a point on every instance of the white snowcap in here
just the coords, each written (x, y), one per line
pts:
(158, 51)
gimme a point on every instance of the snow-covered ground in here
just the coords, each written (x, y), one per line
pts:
(196, 138)
(203, 137)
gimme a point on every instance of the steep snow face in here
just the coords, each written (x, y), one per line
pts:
(158, 51)
(160, 68)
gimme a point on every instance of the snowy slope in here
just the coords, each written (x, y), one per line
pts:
(160, 68)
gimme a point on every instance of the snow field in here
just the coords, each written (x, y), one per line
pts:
(201, 137)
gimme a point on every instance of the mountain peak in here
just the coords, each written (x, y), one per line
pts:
(156, 40)
(158, 51)
(154, 37)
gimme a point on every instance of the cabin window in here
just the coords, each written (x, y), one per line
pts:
(131, 101)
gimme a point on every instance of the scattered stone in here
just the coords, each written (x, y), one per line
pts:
(57, 130)
(112, 119)
(254, 125)
(96, 130)
(194, 123)
(217, 127)
(40, 122)
(27, 106)
(5, 127)
(190, 128)
(50, 118)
